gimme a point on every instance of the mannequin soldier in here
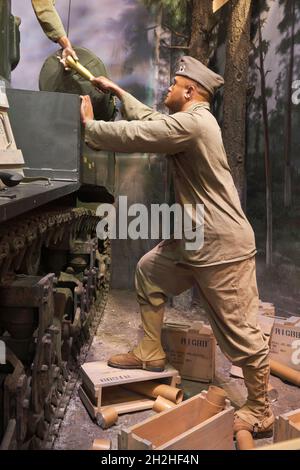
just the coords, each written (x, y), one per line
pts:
(224, 268)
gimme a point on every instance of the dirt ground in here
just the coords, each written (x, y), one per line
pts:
(118, 331)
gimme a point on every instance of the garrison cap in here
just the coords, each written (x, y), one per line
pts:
(195, 70)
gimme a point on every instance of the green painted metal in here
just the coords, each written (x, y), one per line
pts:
(9, 40)
(5, 67)
(53, 77)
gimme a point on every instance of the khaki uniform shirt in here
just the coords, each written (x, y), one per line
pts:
(49, 19)
(193, 142)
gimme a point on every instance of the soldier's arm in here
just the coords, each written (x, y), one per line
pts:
(132, 108)
(137, 136)
(52, 25)
(49, 19)
(169, 135)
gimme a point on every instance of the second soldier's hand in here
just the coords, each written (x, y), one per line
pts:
(106, 85)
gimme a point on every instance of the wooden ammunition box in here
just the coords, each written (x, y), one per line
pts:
(287, 426)
(179, 429)
(102, 386)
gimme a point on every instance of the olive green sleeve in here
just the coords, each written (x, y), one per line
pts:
(49, 19)
(133, 109)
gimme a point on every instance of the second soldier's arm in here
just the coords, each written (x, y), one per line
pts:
(52, 25)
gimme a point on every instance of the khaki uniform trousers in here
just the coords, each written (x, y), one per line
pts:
(229, 292)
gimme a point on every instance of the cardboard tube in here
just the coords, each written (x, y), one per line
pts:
(244, 440)
(76, 65)
(162, 404)
(213, 403)
(285, 372)
(101, 444)
(153, 389)
(216, 395)
(208, 410)
(106, 417)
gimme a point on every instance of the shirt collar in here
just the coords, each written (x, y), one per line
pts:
(195, 107)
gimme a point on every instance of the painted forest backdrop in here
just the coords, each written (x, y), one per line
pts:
(140, 41)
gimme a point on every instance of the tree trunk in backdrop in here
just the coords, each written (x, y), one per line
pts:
(268, 172)
(235, 94)
(288, 117)
(202, 21)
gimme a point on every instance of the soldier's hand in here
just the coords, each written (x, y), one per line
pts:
(103, 83)
(86, 109)
(106, 85)
(65, 53)
(67, 49)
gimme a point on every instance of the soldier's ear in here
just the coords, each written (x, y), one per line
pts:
(189, 92)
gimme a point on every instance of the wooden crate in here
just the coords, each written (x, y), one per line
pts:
(287, 426)
(102, 387)
(178, 429)
(293, 444)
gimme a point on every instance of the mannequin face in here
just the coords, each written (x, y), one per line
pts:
(177, 94)
(183, 92)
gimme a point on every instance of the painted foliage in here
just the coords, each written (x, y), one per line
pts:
(276, 39)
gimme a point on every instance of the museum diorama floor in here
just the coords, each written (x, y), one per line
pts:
(119, 330)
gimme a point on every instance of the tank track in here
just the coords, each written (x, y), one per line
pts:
(54, 281)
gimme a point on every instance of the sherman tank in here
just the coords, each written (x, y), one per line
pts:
(54, 272)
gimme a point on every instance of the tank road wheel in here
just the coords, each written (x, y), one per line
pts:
(32, 258)
(15, 396)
